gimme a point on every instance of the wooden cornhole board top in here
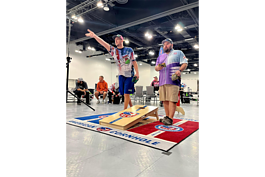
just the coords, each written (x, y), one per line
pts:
(129, 117)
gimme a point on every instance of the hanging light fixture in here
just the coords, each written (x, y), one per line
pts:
(106, 8)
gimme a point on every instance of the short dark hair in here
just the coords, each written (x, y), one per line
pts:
(101, 76)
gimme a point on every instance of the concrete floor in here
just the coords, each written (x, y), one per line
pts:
(92, 154)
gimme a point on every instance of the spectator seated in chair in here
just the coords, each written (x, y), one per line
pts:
(155, 84)
(117, 97)
(112, 91)
(102, 89)
(81, 89)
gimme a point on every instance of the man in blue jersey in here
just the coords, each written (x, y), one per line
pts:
(176, 62)
(126, 63)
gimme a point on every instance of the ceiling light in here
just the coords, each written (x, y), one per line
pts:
(108, 59)
(148, 35)
(195, 73)
(91, 48)
(74, 17)
(106, 8)
(151, 53)
(78, 51)
(196, 46)
(195, 64)
(140, 63)
(135, 55)
(100, 4)
(179, 29)
(153, 62)
(126, 41)
(80, 20)
(183, 73)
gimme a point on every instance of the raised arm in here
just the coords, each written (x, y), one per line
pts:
(98, 39)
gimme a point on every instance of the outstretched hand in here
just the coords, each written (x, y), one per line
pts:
(90, 34)
(98, 39)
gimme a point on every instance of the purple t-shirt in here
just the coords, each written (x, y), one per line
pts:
(173, 62)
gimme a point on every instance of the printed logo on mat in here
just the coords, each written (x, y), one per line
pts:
(170, 128)
(103, 116)
(128, 114)
(103, 129)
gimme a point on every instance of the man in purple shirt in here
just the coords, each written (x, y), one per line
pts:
(176, 62)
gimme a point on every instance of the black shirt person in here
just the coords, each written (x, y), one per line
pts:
(81, 89)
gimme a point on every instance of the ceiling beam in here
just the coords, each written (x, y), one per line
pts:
(157, 45)
(126, 32)
(143, 20)
(184, 32)
(85, 7)
(191, 13)
(80, 6)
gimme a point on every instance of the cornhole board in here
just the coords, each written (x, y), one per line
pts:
(129, 117)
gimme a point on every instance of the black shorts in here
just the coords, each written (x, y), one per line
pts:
(99, 94)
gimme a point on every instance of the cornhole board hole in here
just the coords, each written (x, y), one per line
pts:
(129, 117)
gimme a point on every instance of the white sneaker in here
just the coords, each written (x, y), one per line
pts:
(98, 102)
(103, 101)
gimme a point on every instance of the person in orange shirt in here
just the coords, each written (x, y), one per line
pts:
(102, 89)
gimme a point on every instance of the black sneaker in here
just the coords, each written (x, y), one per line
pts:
(166, 121)
(162, 119)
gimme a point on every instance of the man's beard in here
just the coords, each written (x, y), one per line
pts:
(167, 50)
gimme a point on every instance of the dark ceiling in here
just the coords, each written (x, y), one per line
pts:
(132, 19)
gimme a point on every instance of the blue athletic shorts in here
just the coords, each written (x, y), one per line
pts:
(126, 86)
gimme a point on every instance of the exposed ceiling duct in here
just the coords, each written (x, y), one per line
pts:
(143, 20)
(123, 19)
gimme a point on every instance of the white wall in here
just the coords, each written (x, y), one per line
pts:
(190, 80)
(145, 76)
(91, 68)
